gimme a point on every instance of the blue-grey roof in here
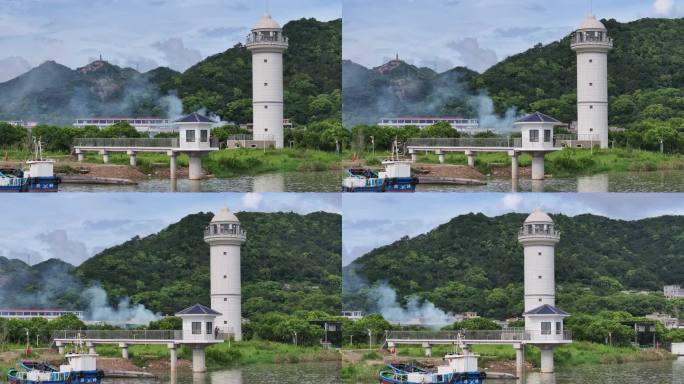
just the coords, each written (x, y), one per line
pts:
(546, 310)
(198, 309)
(194, 118)
(537, 117)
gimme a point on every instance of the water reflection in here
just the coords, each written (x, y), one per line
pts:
(660, 372)
(303, 373)
(658, 181)
(327, 181)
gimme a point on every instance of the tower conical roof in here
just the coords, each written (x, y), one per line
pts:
(591, 23)
(225, 215)
(266, 22)
(538, 216)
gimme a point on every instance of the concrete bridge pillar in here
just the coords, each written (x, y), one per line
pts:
(471, 158)
(440, 156)
(195, 166)
(133, 156)
(546, 359)
(91, 348)
(60, 347)
(514, 164)
(173, 355)
(538, 166)
(172, 161)
(80, 155)
(124, 350)
(519, 359)
(428, 349)
(466, 348)
(198, 364)
(105, 156)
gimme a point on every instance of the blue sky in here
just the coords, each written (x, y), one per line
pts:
(75, 226)
(373, 220)
(441, 34)
(146, 33)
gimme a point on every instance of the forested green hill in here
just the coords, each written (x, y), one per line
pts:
(475, 262)
(54, 94)
(289, 262)
(222, 83)
(645, 86)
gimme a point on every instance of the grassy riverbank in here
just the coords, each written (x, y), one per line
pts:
(236, 162)
(223, 355)
(573, 162)
(226, 355)
(223, 163)
(365, 369)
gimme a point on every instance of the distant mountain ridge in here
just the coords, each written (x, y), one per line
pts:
(289, 262)
(55, 94)
(648, 54)
(475, 262)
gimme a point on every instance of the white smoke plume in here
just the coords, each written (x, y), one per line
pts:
(416, 312)
(124, 313)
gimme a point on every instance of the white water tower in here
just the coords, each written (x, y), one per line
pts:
(267, 44)
(543, 321)
(591, 42)
(225, 237)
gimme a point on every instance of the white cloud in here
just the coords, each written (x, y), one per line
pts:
(663, 7)
(251, 200)
(177, 56)
(512, 201)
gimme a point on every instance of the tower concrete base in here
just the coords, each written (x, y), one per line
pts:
(195, 167)
(546, 359)
(198, 363)
(538, 166)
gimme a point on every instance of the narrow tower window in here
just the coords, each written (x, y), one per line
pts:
(591, 107)
(590, 84)
(591, 61)
(265, 106)
(266, 60)
(540, 276)
(265, 84)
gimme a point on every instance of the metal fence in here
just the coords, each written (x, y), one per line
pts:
(118, 335)
(479, 335)
(126, 142)
(511, 334)
(462, 142)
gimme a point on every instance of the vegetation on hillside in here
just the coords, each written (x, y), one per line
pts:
(598, 260)
(645, 86)
(290, 262)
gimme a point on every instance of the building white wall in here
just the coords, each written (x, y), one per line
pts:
(540, 144)
(226, 286)
(197, 144)
(539, 291)
(592, 93)
(203, 336)
(267, 91)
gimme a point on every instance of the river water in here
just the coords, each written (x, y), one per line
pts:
(661, 372)
(326, 181)
(303, 373)
(656, 181)
(330, 181)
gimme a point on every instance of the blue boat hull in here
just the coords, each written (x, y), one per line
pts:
(396, 184)
(90, 377)
(34, 184)
(458, 378)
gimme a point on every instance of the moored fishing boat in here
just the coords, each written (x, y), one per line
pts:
(396, 177)
(81, 368)
(461, 368)
(40, 176)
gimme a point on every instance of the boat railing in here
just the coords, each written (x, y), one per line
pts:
(118, 334)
